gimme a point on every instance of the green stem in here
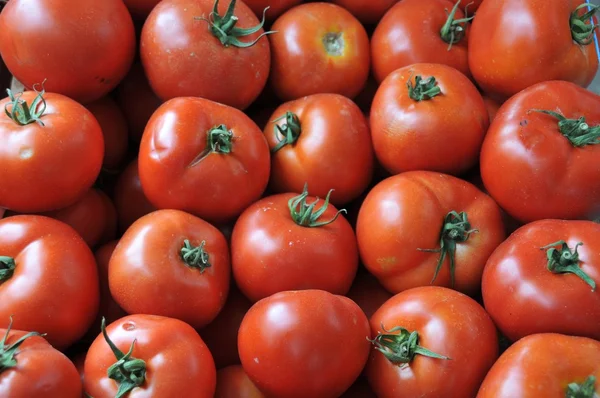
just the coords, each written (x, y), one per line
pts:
(587, 389)
(577, 131)
(288, 131)
(22, 113)
(219, 140)
(565, 261)
(7, 268)
(195, 256)
(582, 32)
(423, 89)
(304, 214)
(453, 30)
(8, 353)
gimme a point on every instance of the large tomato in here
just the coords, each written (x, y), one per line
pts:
(82, 48)
(114, 130)
(321, 140)
(514, 44)
(430, 342)
(276, 7)
(416, 125)
(192, 146)
(368, 12)
(540, 165)
(233, 382)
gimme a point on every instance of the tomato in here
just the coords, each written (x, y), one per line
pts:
(307, 343)
(415, 123)
(492, 107)
(48, 277)
(82, 48)
(548, 41)
(367, 292)
(233, 382)
(276, 7)
(109, 309)
(159, 357)
(538, 165)
(419, 228)
(140, 8)
(318, 48)
(192, 145)
(321, 140)
(367, 12)
(430, 341)
(546, 365)
(51, 153)
(114, 130)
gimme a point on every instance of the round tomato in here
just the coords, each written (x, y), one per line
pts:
(367, 11)
(307, 343)
(321, 140)
(192, 146)
(549, 40)
(233, 382)
(156, 357)
(539, 158)
(415, 123)
(114, 130)
(276, 7)
(318, 48)
(367, 292)
(81, 48)
(430, 341)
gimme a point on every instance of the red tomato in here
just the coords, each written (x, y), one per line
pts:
(160, 357)
(109, 309)
(550, 40)
(306, 343)
(419, 228)
(192, 145)
(51, 153)
(130, 201)
(368, 293)
(233, 382)
(430, 341)
(276, 7)
(49, 279)
(318, 48)
(538, 165)
(546, 365)
(367, 11)
(415, 124)
(140, 8)
(81, 48)
(321, 140)
(114, 129)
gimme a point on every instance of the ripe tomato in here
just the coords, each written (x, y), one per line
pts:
(430, 341)
(276, 7)
(148, 347)
(307, 343)
(82, 48)
(550, 40)
(415, 124)
(51, 153)
(233, 382)
(109, 309)
(321, 140)
(367, 292)
(114, 130)
(410, 222)
(546, 365)
(318, 48)
(140, 8)
(367, 12)
(530, 158)
(192, 145)
(48, 278)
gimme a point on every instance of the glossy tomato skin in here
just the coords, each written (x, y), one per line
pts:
(333, 150)
(81, 49)
(406, 212)
(276, 7)
(114, 130)
(449, 324)
(70, 140)
(367, 12)
(233, 382)
(161, 343)
(318, 48)
(508, 54)
(175, 175)
(526, 161)
(442, 134)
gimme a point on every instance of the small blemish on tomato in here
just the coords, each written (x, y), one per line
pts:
(334, 43)
(129, 326)
(523, 123)
(26, 153)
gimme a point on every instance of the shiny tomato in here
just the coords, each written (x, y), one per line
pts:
(81, 48)
(276, 7)
(114, 130)
(307, 343)
(419, 228)
(415, 123)
(367, 292)
(539, 165)
(514, 44)
(321, 140)
(233, 382)
(140, 8)
(159, 357)
(428, 342)
(366, 11)
(192, 146)
(109, 309)
(318, 48)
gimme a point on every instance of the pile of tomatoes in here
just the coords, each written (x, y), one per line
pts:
(288, 199)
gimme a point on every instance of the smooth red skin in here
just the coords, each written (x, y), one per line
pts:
(276, 7)
(367, 292)
(542, 365)
(176, 134)
(448, 323)
(405, 213)
(233, 382)
(178, 363)
(230, 75)
(430, 134)
(334, 150)
(81, 49)
(271, 253)
(526, 161)
(41, 370)
(54, 288)
(492, 107)
(368, 12)
(302, 65)
(70, 141)
(140, 8)
(114, 130)
(507, 55)
(109, 309)
(307, 343)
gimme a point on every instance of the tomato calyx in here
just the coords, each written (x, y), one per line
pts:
(219, 140)
(334, 43)
(289, 131)
(422, 89)
(7, 353)
(7, 268)
(195, 256)
(304, 214)
(453, 30)
(23, 113)
(581, 32)
(582, 390)
(577, 131)
(565, 261)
